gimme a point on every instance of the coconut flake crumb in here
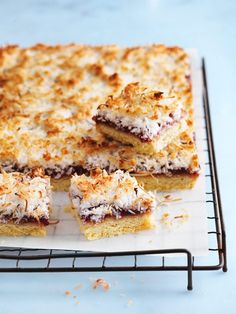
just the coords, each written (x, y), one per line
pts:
(68, 293)
(75, 298)
(78, 286)
(166, 199)
(101, 282)
(170, 219)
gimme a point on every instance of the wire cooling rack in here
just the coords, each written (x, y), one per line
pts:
(34, 260)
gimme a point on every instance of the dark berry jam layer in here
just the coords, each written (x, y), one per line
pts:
(8, 219)
(56, 172)
(117, 213)
(141, 135)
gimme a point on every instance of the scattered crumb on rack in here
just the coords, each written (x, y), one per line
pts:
(78, 286)
(101, 282)
(67, 292)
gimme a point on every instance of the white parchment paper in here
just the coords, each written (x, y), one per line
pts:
(189, 232)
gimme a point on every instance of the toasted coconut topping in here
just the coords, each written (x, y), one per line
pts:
(104, 195)
(141, 110)
(24, 198)
(181, 154)
(49, 94)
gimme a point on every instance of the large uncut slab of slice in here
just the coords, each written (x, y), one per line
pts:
(50, 94)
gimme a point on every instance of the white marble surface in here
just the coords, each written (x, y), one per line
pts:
(210, 26)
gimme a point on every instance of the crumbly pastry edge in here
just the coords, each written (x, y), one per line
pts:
(25, 229)
(111, 226)
(148, 148)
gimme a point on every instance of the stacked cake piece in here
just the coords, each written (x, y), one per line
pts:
(158, 127)
(145, 118)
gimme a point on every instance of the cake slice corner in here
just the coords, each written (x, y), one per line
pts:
(147, 119)
(108, 205)
(25, 201)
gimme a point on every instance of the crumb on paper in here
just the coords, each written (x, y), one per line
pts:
(130, 302)
(78, 286)
(168, 219)
(166, 199)
(53, 221)
(67, 292)
(183, 216)
(101, 282)
(77, 302)
(164, 218)
(170, 198)
(165, 215)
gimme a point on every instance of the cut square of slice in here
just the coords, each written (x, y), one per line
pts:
(24, 203)
(108, 205)
(147, 119)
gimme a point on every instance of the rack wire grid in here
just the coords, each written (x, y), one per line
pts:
(17, 259)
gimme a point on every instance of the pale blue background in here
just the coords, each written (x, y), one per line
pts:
(209, 26)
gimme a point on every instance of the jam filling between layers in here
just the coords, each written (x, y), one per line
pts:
(58, 173)
(116, 213)
(132, 129)
(9, 219)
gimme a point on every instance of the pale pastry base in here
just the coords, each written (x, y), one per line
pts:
(62, 184)
(165, 183)
(111, 227)
(148, 148)
(25, 229)
(159, 182)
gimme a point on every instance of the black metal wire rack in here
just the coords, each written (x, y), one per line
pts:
(16, 259)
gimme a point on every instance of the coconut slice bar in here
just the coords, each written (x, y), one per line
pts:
(24, 204)
(108, 205)
(147, 119)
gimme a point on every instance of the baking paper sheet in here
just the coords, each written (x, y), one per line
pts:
(189, 232)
